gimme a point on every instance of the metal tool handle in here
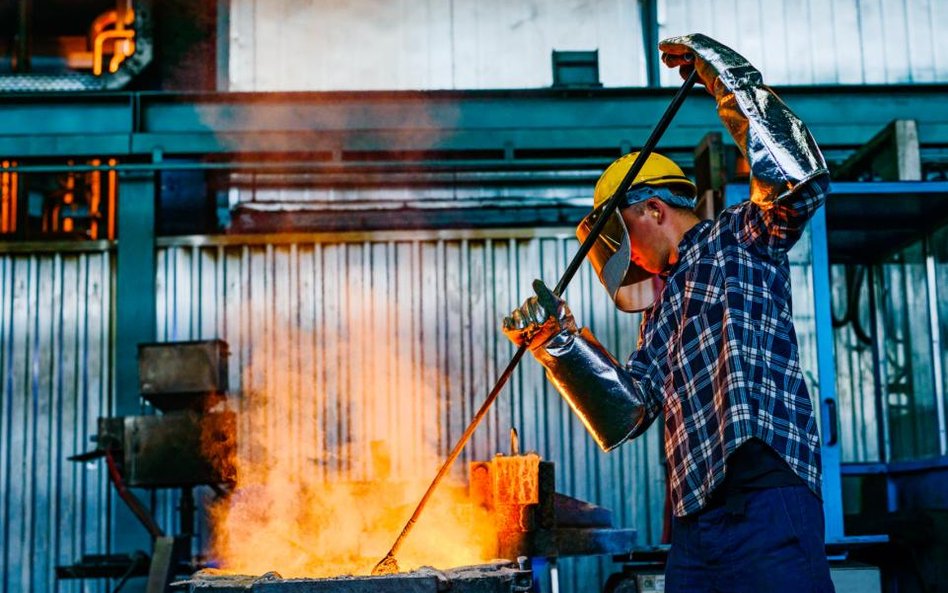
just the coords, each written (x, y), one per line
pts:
(388, 564)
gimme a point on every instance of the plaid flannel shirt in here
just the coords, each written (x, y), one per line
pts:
(717, 351)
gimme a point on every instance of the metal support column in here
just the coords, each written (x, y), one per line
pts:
(830, 449)
(649, 14)
(223, 45)
(134, 320)
(135, 284)
(933, 317)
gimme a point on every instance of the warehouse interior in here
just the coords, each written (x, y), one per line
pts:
(255, 254)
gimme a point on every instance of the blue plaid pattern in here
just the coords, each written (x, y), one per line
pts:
(717, 351)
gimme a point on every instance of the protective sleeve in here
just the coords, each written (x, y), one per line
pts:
(789, 178)
(611, 402)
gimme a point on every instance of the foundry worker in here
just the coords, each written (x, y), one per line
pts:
(717, 354)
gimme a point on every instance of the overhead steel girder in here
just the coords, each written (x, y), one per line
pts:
(359, 126)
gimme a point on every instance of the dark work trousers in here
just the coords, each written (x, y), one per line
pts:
(771, 542)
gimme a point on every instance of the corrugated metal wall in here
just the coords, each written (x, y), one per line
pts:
(362, 331)
(477, 44)
(804, 311)
(855, 383)
(905, 324)
(278, 45)
(907, 390)
(820, 41)
(55, 356)
(296, 311)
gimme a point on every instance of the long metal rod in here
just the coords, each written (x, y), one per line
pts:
(388, 564)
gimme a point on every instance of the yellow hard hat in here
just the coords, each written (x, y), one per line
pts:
(658, 171)
(631, 287)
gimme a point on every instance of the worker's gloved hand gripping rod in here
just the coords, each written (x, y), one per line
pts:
(389, 565)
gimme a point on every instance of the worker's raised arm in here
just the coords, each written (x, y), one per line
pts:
(611, 401)
(789, 179)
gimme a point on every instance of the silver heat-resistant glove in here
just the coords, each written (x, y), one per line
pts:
(779, 148)
(599, 390)
(539, 318)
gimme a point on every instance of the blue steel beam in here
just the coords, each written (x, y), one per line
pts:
(509, 122)
(826, 376)
(66, 125)
(134, 308)
(135, 283)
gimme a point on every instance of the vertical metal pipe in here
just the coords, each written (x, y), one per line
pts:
(906, 443)
(826, 371)
(135, 284)
(648, 10)
(5, 199)
(222, 45)
(186, 509)
(113, 201)
(14, 190)
(937, 371)
(879, 365)
(134, 313)
(554, 576)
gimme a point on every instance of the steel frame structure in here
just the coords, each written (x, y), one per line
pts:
(419, 126)
(924, 208)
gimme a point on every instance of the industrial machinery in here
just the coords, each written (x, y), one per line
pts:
(533, 520)
(186, 446)
(73, 46)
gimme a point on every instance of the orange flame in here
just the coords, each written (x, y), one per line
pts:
(309, 502)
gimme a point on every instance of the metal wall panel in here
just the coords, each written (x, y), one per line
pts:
(55, 358)
(820, 42)
(395, 336)
(296, 311)
(907, 343)
(804, 310)
(468, 44)
(278, 45)
(894, 412)
(856, 377)
(938, 296)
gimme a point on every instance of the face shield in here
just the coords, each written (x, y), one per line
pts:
(631, 288)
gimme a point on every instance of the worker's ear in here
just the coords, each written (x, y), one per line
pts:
(654, 208)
